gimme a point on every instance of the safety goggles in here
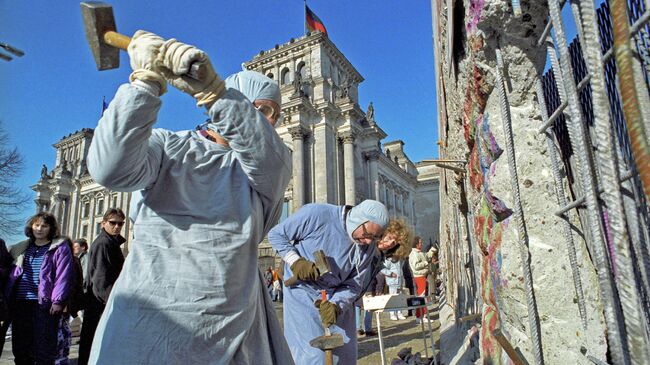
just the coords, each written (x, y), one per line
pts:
(366, 234)
(269, 112)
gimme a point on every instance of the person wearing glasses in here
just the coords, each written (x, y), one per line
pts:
(105, 261)
(348, 236)
(190, 291)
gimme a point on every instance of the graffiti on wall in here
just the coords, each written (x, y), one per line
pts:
(491, 214)
(489, 223)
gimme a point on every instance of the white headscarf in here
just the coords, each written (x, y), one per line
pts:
(254, 86)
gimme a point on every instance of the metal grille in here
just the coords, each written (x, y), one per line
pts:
(637, 8)
(559, 127)
(579, 73)
(596, 151)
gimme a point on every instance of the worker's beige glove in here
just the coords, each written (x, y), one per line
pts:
(175, 60)
(305, 270)
(143, 52)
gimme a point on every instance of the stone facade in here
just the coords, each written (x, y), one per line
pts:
(336, 146)
(336, 149)
(69, 192)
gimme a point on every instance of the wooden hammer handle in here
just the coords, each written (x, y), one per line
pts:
(117, 40)
(121, 41)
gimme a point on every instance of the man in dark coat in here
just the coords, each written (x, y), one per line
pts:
(105, 261)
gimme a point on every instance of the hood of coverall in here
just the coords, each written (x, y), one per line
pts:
(368, 210)
(254, 86)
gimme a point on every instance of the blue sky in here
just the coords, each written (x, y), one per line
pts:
(55, 88)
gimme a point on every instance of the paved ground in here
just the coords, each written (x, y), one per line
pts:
(397, 335)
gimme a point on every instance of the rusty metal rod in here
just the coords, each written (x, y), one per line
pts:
(629, 93)
(578, 136)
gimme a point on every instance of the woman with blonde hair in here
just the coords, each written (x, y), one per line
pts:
(396, 231)
(396, 241)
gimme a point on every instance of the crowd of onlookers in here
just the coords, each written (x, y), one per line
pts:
(412, 275)
(48, 280)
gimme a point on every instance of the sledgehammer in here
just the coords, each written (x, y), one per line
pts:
(105, 43)
(322, 265)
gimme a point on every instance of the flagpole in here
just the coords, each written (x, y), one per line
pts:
(304, 21)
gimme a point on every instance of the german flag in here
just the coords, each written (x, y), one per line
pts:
(313, 22)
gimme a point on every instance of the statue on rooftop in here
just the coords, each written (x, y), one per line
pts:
(297, 85)
(370, 114)
(44, 174)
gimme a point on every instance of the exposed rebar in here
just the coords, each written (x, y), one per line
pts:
(625, 175)
(577, 135)
(608, 167)
(629, 92)
(560, 109)
(524, 253)
(562, 201)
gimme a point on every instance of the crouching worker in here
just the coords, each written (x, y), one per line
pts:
(347, 235)
(190, 291)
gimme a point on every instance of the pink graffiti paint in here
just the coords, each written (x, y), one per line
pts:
(474, 16)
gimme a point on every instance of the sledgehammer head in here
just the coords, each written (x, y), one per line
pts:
(327, 342)
(321, 262)
(98, 19)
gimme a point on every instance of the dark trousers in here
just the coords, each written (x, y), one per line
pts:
(92, 314)
(3, 333)
(410, 286)
(34, 333)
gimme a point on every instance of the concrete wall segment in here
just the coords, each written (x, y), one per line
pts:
(469, 101)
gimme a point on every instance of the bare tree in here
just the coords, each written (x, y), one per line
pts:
(12, 198)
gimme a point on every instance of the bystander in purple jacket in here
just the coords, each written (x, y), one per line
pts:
(56, 280)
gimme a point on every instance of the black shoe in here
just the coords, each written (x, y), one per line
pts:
(361, 332)
(371, 333)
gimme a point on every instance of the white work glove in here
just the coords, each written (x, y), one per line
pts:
(175, 60)
(143, 52)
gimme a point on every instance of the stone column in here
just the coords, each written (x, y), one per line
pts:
(324, 156)
(373, 179)
(407, 206)
(348, 165)
(298, 135)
